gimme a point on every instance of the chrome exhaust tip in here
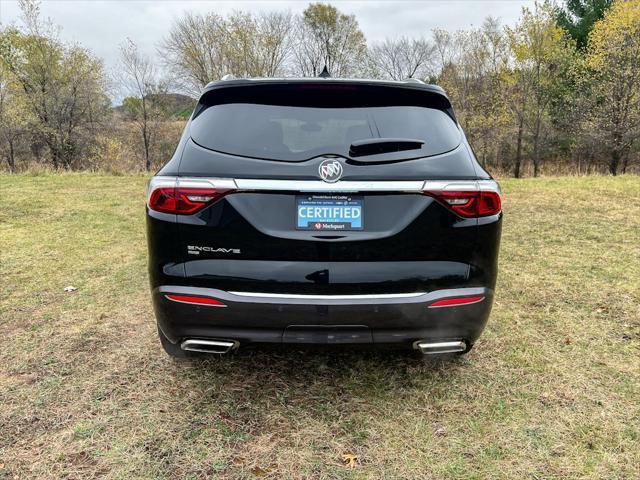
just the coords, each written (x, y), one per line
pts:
(429, 348)
(209, 346)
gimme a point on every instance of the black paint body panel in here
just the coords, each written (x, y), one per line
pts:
(410, 244)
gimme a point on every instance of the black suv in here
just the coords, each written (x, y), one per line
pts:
(322, 211)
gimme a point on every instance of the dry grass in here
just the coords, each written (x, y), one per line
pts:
(551, 390)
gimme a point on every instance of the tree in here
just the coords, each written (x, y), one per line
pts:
(327, 37)
(402, 58)
(484, 57)
(472, 69)
(203, 48)
(541, 52)
(257, 46)
(276, 42)
(579, 16)
(13, 118)
(444, 46)
(140, 81)
(62, 86)
(517, 92)
(193, 51)
(613, 58)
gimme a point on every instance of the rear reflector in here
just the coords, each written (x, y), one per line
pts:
(452, 302)
(469, 204)
(207, 301)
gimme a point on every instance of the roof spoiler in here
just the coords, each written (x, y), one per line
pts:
(413, 92)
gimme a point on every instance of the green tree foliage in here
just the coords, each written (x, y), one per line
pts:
(578, 17)
(327, 37)
(472, 65)
(542, 55)
(62, 87)
(257, 46)
(613, 59)
(14, 118)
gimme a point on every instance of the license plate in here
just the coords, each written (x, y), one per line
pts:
(329, 212)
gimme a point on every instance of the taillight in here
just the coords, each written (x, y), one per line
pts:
(171, 196)
(469, 204)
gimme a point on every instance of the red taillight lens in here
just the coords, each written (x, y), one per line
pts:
(489, 203)
(184, 200)
(469, 204)
(209, 302)
(163, 199)
(452, 302)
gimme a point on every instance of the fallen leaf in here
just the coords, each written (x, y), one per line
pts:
(350, 460)
(259, 472)
(567, 341)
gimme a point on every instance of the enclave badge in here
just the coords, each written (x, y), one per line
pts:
(330, 170)
(196, 249)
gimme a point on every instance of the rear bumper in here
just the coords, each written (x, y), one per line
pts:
(322, 319)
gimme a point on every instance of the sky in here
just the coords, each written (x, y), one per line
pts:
(102, 26)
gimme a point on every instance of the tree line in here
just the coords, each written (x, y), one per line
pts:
(559, 91)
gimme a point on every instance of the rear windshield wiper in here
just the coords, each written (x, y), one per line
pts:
(373, 146)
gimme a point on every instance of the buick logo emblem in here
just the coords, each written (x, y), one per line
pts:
(330, 170)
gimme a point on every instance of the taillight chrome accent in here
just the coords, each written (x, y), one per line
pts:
(456, 301)
(195, 300)
(469, 199)
(186, 196)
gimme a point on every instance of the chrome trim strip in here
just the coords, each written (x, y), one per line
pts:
(221, 183)
(414, 186)
(302, 299)
(451, 185)
(408, 186)
(461, 185)
(327, 297)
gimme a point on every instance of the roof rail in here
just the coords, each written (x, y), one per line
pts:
(414, 80)
(228, 76)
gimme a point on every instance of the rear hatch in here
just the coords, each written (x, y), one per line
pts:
(321, 187)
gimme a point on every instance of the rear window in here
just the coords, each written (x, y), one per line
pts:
(294, 131)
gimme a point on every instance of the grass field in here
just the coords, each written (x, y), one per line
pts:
(551, 390)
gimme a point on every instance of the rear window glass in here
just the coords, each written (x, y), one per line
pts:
(298, 132)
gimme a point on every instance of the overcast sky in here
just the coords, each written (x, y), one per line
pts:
(102, 25)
